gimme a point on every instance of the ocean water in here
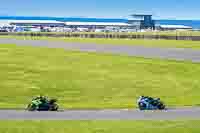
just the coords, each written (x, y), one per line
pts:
(193, 23)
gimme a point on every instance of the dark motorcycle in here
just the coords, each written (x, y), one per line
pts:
(39, 104)
(148, 103)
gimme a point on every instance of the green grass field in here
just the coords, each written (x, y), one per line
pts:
(99, 126)
(89, 80)
(142, 42)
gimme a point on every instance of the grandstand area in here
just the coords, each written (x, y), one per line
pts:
(137, 23)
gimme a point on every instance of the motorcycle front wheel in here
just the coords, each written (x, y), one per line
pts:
(31, 107)
(142, 106)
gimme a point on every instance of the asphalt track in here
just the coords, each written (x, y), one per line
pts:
(140, 51)
(172, 114)
(179, 54)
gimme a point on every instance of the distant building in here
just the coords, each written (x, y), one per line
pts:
(137, 22)
(142, 21)
(96, 25)
(43, 23)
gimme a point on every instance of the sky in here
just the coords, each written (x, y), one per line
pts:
(160, 9)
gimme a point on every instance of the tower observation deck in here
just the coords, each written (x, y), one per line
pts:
(144, 21)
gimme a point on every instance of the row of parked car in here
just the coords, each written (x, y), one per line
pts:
(62, 29)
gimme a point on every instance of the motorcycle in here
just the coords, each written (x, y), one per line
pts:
(148, 103)
(43, 105)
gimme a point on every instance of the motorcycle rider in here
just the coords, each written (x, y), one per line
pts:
(36, 102)
(146, 101)
(41, 102)
(147, 98)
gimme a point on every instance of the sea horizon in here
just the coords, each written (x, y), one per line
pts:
(193, 23)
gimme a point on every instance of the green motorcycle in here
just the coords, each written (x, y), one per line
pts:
(43, 104)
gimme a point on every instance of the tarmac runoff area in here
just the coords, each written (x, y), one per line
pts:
(179, 54)
(171, 114)
(192, 113)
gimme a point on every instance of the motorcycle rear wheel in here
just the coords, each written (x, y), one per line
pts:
(161, 106)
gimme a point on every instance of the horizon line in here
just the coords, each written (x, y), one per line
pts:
(84, 17)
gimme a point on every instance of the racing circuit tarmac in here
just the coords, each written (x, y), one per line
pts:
(179, 54)
(172, 114)
(140, 51)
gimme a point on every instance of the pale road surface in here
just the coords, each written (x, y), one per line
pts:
(130, 50)
(171, 114)
(140, 51)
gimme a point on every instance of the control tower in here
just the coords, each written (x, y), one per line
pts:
(143, 21)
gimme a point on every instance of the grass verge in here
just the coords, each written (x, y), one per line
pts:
(164, 33)
(99, 126)
(89, 80)
(141, 42)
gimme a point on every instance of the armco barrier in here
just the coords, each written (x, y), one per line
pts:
(102, 35)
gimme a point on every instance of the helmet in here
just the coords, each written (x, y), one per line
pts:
(36, 98)
(141, 97)
(43, 98)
